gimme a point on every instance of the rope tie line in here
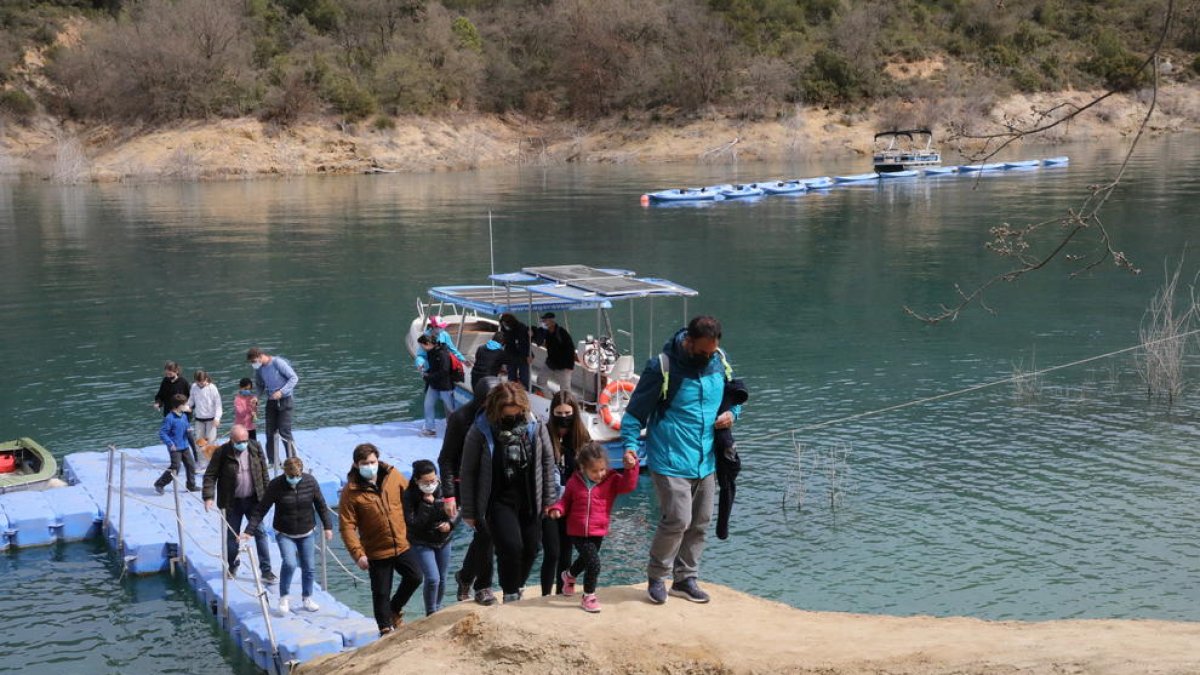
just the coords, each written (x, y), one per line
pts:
(960, 392)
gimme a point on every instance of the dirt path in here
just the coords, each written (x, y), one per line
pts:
(738, 633)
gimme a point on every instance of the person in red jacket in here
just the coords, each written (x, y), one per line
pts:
(587, 504)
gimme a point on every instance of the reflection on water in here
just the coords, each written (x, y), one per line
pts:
(1074, 504)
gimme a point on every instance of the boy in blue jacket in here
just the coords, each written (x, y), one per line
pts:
(174, 433)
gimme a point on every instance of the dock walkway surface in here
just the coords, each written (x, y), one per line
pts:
(150, 540)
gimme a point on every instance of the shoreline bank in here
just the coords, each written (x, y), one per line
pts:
(740, 633)
(242, 148)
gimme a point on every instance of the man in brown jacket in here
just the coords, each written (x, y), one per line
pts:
(372, 524)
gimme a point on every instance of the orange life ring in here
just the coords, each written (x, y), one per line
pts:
(606, 414)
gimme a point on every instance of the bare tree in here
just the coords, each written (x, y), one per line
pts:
(1081, 225)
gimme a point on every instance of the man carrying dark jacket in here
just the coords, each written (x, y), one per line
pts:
(560, 350)
(237, 477)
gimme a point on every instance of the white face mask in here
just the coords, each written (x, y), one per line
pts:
(428, 488)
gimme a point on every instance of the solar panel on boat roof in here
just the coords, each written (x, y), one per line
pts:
(595, 280)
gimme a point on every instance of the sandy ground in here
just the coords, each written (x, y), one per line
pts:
(738, 633)
(246, 147)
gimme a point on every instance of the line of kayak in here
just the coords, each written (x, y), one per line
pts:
(800, 185)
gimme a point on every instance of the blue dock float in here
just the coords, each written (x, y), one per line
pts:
(150, 539)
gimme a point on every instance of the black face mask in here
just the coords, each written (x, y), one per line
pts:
(564, 421)
(511, 422)
(698, 360)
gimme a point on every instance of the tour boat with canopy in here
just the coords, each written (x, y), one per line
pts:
(605, 373)
(899, 150)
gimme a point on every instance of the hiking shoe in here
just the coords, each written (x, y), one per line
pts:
(269, 577)
(193, 488)
(159, 489)
(688, 589)
(386, 631)
(485, 597)
(231, 572)
(656, 590)
(464, 587)
(397, 619)
(568, 583)
(309, 605)
(589, 603)
(284, 606)
(511, 597)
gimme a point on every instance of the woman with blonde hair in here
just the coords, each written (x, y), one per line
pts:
(508, 480)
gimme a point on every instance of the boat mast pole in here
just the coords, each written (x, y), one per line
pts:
(491, 245)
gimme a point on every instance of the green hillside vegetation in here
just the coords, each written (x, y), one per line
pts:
(157, 61)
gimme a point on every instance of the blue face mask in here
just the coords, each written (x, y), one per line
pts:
(255, 365)
(241, 446)
(369, 471)
(293, 480)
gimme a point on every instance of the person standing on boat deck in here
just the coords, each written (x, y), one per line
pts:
(296, 497)
(477, 565)
(568, 434)
(372, 525)
(439, 382)
(205, 402)
(236, 478)
(489, 359)
(560, 350)
(173, 433)
(516, 348)
(436, 329)
(508, 480)
(678, 406)
(275, 378)
(174, 383)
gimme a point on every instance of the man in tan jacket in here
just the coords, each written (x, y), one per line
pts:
(372, 525)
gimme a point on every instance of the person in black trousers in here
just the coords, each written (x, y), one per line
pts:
(173, 383)
(516, 348)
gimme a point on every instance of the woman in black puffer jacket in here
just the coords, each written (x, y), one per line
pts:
(429, 530)
(297, 498)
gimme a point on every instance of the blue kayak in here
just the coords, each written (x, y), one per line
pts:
(994, 166)
(817, 183)
(907, 173)
(940, 170)
(740, 191)
(783, 187)
(684, 195)
(1022, 164)
(1056, 160)
(856, 178)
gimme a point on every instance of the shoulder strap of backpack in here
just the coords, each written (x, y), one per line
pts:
(667, 393)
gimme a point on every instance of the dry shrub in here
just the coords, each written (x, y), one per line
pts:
(70, 163)
(1165, 334)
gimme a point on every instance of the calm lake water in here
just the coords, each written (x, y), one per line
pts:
(1077, 503)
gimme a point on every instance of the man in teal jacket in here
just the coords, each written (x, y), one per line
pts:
(678, 407)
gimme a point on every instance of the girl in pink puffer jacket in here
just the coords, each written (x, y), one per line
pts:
(587, 504)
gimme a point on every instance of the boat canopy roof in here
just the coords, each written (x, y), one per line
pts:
(558, 288)
(907, 133)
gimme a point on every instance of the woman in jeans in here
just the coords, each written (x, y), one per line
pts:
(428, 530)
(296, 498)
(508, 480)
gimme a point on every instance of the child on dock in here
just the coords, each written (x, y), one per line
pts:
(429, 530)
(245, 407)
(174, 433)
(587, 504)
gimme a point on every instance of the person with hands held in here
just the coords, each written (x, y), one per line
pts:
(371, 511)
(298, 501)
(429, 528)
(587, 505)
(174, 434)
(237, 478)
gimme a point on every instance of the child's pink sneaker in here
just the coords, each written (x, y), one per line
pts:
(568, 586)
(589, 603)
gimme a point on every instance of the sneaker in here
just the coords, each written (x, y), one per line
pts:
(485, 597)
(568, 583)
(688, 589)
(464, 587)
(159, 489)
(430, 433)
(309, 605)
(511, 597)
(398, 619)
(589, 603)
(386, 631)
(656, 590)
(269, 577)
(193, 488)
(284, 606)
(231, 573)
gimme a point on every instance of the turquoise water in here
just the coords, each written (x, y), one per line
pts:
(1076, 503)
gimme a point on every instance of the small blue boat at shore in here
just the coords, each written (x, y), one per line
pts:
(969, 168)
(940, 170)
(818, 183)
(1022, 164)
(685, 195)
(907, 173)
(783, 187)
(856, 178)
(1056, 160)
